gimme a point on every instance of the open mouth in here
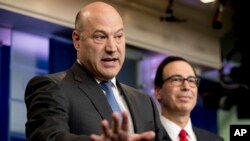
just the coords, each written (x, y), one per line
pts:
(109, 59)
(109, 62)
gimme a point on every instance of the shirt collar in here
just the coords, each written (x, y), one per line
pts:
(173, 129)
(113, 81)
(190, 131)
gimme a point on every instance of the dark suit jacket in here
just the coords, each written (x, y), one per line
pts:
(70, 105)
(203, 135)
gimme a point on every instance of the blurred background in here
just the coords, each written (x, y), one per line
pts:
(35, 38)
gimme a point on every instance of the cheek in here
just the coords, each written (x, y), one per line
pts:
(167, 94)
(172, 93)
(87, 52)
(93, 51)
(121, 48)
(195, 93)
(122, 51)
(195, 96)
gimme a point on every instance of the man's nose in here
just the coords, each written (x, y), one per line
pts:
(185, 83)
(111, 45)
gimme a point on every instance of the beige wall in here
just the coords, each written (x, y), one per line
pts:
(144, 29)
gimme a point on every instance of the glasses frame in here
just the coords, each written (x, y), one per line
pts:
(197, 80)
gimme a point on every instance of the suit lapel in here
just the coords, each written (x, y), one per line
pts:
(199, 135)
(90, 87)
(130, 100)
(98, 99)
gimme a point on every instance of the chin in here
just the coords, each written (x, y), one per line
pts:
(109, 76)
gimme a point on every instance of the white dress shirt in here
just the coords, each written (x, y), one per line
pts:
(173, 129)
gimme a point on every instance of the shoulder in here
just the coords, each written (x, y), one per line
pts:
(204, 134)
(45, 82)
(55, 77)
(130, 90)
(136, 96)
(58, 77)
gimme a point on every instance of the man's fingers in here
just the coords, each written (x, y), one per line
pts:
(95, 137)
(116, 122)
(106, 128)
(124, 125)
(148, 135)
(145, 136)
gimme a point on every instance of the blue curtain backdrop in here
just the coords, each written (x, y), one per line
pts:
(4, 91)
(62, 55)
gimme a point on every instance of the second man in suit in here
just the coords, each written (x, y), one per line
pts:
(176, 85)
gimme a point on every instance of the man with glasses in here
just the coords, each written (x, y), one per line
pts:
(176, 89)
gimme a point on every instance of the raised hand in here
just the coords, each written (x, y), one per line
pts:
(119, 131)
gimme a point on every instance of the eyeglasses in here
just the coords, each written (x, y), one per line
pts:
(177, 80)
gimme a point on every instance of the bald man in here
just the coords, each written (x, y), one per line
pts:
(71, 105)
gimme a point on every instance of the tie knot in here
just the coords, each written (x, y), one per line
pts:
(183, 135)
(106, 85)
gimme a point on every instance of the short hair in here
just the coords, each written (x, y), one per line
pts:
(78, 25)
(159, 73)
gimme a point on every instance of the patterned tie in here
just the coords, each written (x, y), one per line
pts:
(183, 135)
(106, 86)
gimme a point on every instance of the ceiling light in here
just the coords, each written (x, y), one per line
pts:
(207, 1)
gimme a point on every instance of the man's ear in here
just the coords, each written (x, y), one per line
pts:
(76, 39)
(158, 93)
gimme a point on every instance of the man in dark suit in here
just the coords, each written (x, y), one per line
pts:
(71, 105)
(176, 85)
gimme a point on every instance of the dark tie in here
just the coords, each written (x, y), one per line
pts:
(106, 86)
(183, 135)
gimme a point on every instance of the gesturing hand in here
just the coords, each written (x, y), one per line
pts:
(120, 132)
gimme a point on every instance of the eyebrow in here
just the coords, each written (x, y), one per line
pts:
(102, 31)
(120, 30)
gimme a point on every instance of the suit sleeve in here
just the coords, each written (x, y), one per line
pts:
(161, 134)
(47, 112)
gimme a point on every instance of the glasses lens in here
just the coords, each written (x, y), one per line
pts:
(176, 80)
(192, 81)
(179, 80)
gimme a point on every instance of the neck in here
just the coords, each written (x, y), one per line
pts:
(180, 119)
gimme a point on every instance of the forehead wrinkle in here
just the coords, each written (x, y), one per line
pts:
(105, 32)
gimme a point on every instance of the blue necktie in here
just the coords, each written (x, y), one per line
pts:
(106, 86)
